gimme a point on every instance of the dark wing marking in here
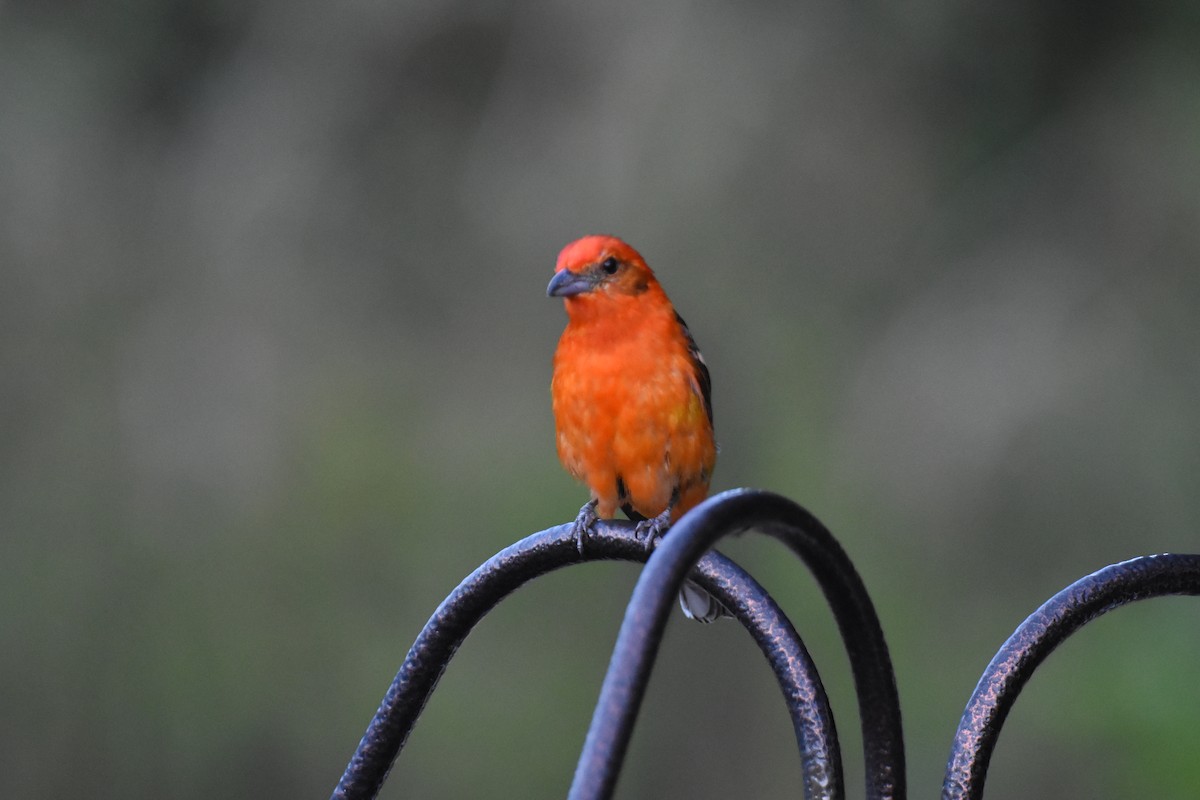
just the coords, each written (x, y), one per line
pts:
(702, 376)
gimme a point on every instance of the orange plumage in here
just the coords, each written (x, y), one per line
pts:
(631, 392)
(632, 397)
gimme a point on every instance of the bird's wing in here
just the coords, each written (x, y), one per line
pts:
(702, 380)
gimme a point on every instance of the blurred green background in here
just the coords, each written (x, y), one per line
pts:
(276, 354)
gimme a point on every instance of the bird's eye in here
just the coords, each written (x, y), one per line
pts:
(610, 265)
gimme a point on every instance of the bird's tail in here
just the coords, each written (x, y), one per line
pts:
(699, 605)
(696, 603)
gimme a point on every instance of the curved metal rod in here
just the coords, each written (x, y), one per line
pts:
(1035, 638)
(554, 548)
(646, 615)
(808, 705)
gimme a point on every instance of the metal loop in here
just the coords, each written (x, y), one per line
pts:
(646, 615)
(555, 548)
(1035, 638)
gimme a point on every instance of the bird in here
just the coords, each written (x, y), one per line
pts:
(632, 398)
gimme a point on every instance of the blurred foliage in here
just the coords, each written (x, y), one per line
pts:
(276, 354)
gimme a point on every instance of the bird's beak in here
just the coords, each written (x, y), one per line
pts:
(566, 283)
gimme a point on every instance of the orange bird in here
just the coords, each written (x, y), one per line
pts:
(632, 397)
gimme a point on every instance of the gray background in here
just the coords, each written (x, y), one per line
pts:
(276, 352)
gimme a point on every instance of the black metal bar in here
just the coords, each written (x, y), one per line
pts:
(1036, 637)
(549, 550)
(646, 615)
(808, 705)
(885, 775)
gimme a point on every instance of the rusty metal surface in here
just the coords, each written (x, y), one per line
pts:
(651, 604)
(646, 615)
(1036, 637)
(555, 548)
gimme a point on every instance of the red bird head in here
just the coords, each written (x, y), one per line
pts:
(599, 266)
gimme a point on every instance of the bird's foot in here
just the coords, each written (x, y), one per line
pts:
(649, 531)
(583, 525)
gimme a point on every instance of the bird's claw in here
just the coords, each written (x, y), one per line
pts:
(649, 531)
(583, 525)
